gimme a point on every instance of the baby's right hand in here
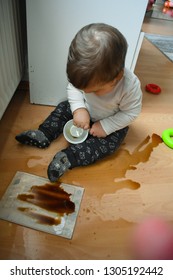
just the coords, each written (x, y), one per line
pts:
(81, 118)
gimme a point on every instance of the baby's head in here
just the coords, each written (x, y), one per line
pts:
(96, 55)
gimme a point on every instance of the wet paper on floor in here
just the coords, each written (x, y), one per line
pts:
(34, 202)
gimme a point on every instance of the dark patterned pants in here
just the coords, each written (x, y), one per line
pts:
(92, 149)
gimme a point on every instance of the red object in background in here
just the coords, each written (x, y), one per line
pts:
(153, 240)
(152, 88)
(168, 4)
(168, 11)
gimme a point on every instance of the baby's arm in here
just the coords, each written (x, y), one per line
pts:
(81, 118)
(129, 109)
(97, 130)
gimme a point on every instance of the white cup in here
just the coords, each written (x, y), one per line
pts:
(74, 134)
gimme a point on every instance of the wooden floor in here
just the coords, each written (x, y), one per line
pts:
(120, 191)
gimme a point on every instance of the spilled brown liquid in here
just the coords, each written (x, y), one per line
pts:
(128, 161)
(42, 219)
(53, 198)
(49, 197)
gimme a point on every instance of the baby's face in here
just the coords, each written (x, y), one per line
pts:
(102, 89)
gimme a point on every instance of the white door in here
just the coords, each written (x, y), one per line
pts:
(51, 25)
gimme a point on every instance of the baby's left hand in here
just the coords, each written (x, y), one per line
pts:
(97, 130)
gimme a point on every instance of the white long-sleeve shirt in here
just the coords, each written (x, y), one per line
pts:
(116, 109)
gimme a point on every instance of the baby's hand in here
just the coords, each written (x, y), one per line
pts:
(81, 118)
(97, 130)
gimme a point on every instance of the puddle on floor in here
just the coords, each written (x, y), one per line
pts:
(127, 161)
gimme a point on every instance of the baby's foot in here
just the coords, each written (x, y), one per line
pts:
(58, 166)
(33, 138)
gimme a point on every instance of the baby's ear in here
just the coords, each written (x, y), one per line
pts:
(119, 76)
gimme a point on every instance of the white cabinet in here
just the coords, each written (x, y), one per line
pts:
(51, 25)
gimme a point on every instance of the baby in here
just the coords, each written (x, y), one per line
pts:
(102, 96)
